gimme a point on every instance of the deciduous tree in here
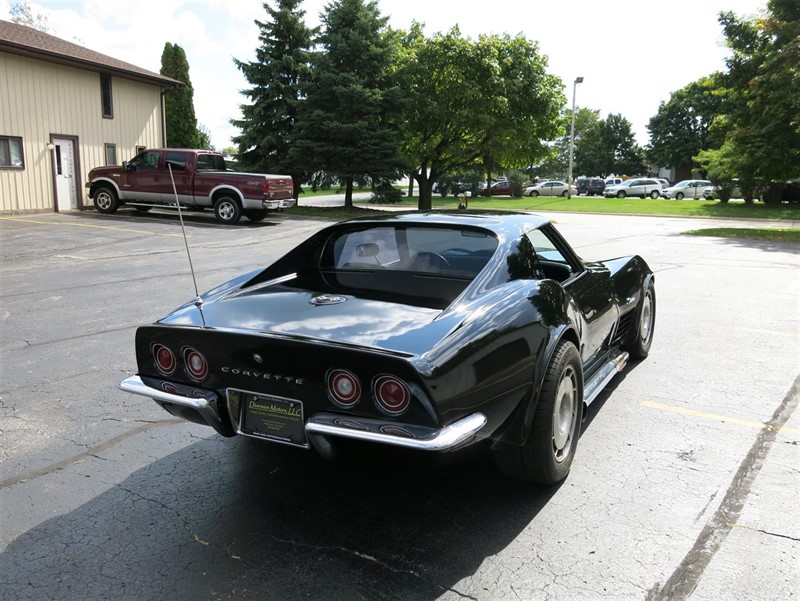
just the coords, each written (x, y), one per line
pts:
(609, 147)
(682, 126)
(762, 144)
(468, 101)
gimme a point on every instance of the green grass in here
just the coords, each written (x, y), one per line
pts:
(309, 193)
(772, 234)
(630, 206)
(591, 204)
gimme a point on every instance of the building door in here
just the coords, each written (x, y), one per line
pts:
(64, 167)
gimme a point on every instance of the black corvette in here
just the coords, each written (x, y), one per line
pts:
(431, 332)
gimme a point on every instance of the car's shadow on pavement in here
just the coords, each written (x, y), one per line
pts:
(240, 519)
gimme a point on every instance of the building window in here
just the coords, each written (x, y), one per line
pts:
(140, 149)
(111, 154)
(11, 153)
(105, 88)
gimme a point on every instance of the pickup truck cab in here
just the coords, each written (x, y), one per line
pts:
(198, 179)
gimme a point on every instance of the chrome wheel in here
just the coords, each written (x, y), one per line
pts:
(565, 414)
(646, 320)
(105, 200)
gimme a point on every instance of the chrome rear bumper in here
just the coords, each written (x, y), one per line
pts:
(206, 410)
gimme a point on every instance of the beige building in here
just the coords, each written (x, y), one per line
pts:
(65, 109)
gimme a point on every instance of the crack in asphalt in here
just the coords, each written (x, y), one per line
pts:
(87, 453)
(683, 581)
(767, 532)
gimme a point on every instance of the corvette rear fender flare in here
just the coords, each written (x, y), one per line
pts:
(518, 426)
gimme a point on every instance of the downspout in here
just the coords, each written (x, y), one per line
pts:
(163, 119)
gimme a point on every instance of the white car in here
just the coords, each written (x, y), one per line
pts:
(551, 188)
(688, 188)
(638, 186)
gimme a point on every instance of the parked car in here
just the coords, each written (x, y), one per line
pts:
(551, 188)
(429, 332)
(612, 181)
(201, 180)
(641, 187)
(498, 188)
(590, 186)
(688, 188)
(664, 183)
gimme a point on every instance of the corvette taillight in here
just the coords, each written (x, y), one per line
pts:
(391, 394)
(164, 359)
(196, 364)
(344, 388)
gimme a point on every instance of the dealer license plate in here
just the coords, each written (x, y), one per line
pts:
(273, 418)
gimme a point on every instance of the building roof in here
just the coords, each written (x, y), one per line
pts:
(30, 42)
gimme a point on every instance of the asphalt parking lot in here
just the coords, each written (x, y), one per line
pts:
(685, 483)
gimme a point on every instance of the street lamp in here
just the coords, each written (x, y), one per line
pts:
(572, 137)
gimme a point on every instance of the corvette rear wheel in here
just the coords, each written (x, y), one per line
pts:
(547, 454)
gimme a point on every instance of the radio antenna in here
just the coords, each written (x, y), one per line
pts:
(198, 302)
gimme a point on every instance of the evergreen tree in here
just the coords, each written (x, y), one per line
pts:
(181, 121)
(348, 124)
(281, 66)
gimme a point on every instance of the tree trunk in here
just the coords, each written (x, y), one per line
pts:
(348, 192)
(425, 187)
(411, 185)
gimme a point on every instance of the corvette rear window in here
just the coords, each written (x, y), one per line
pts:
(457, 252)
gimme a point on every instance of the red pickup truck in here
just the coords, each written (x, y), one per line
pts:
(200, 181)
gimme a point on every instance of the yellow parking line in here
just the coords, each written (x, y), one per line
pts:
(713, 416)
(99, 227)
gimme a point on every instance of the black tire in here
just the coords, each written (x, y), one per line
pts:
(142, 209)
(642, 336)
(654, 194)
(565, 193)
(547, 454)
(227, 210)
(679, 196)
(620, 194)
(106, 200)
(256, 214)
(534, 193)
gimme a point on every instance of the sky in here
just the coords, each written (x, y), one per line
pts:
(632, 54)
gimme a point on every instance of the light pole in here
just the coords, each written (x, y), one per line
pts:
(572, 137)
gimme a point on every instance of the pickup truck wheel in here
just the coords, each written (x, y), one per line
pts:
(255, 214)
(547, 454)
(227, 210)
(105, 200)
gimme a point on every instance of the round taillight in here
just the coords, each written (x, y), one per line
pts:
(196, 364)
(344, 388)
(164, 358)
(391, 395)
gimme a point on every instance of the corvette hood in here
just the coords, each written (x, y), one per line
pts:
(340, 318)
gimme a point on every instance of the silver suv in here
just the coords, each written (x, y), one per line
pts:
(637, 186)
(688, 188)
